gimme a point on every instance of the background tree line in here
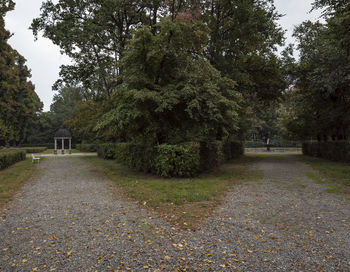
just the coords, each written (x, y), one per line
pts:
(181, 70)
(18, 101)
(166, 71)
(318, 105)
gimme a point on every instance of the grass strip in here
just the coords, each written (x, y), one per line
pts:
(183, 201)
(335, 175)
(12, 178)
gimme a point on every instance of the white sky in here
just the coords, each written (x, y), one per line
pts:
(44, 58)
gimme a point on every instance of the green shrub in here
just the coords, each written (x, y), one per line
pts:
(211, 154)
(237, 149)
(87, 147)
(106, 151)
(335, 151)
(34, 149)
(183, 160)
(136, 156)
(273, 143)
(176, 161)
(7, 158)
(47, 145)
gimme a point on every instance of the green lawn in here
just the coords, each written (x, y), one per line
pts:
(335, 175)
(12, 178)
(182, 201)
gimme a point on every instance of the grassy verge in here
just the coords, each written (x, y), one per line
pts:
(335, 175)
(183, 202)
(12, 178)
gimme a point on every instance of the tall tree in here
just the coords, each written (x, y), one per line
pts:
(18, 101)
(170, 92)
(244, 36)
(93, 33)
(322, 96)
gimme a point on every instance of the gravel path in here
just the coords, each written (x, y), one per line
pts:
(71, 219)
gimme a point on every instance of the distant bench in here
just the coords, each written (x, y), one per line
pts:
(35, 159)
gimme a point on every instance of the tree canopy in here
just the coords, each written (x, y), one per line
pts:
(18, 101)
(321, 95)
(170, 92)
(213, 46)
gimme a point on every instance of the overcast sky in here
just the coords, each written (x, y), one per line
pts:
(44, 58)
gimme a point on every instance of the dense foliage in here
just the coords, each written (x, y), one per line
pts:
(107, 151)
(87, 147)
(34, 149)
(185, 160)
(319, 104)
(170, 92)
(18, 101)
(176, 161)
(161, 55)
(8, 158)
(335, 151)
(136, 156)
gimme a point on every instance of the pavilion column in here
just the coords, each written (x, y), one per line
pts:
(70, 145)
(62, 146)
(55, 151)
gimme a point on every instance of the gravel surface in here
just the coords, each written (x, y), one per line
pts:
(71, 218)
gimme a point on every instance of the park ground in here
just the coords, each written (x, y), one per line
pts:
(259, 213)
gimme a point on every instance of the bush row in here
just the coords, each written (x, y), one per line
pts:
(11, 157)
(335, 151)
(34, 149)
(47, 145)
(164, 160)
(213, 154)
(176, 160)
(87, 147)
(274, 143)
(185, 160)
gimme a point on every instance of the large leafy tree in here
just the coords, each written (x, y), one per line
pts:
(93, 33)
(242, 45)
(321, 95)
(170, 92)
(18, 101)
(243, 38)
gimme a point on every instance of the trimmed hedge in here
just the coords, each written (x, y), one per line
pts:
(87, 147)
(47, 145)
(8, 158)
(213, 154)
(136, 156)
(34, 149)
(335, 151)
(232, 150)
(106, 151)
(185, 160)
(176, 161)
